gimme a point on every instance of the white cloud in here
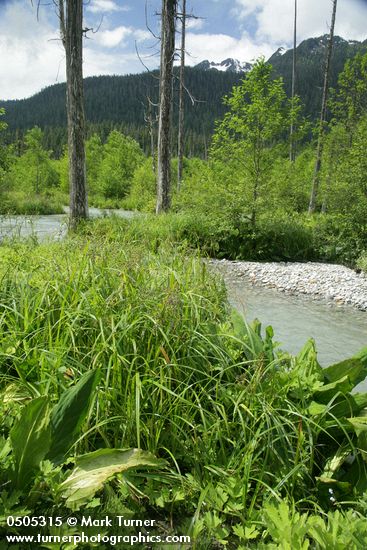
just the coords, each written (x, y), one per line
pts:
(275, 19)
(217, 47)
(31, 55)
(142, 34)
(194, 24)
(114, 37)
(105, 6)
(99, 63)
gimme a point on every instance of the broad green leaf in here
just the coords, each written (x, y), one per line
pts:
(328, 391)
(316, 409)
(239, 325)
(359, 424)
(355, 368)
(92, 470)
(254, 340)
(350, 405)
(5, 448)
(344, 406)
(69, 413)
(249, 334)
(356, 476)
(30, 439)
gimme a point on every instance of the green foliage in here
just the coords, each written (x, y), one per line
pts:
(30, 439)
(350, 101)
(4, 150)
(291, 530)
(94, 152)
(142, 195)
(21, 203)
(256, 118)
(33, 171)
(356, 164)
(3, 125)
(62, 166)
(44, 432)
(287, 530)
(69, 414)
(362, 262)
(121, 156)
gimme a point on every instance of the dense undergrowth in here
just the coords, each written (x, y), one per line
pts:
(118, 338)
(20, 203)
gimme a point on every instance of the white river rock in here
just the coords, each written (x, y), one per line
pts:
(322, 281)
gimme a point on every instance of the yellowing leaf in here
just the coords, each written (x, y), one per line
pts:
(92, 470)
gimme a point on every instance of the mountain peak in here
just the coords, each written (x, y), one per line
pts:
(227, 65)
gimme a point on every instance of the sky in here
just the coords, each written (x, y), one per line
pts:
(32, 57)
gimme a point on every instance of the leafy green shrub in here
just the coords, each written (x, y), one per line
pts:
(33, 172)
(143, 188)
(24, 204)
(279, 237)
(121, 156)
(339, 238)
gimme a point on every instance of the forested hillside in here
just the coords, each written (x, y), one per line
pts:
(310, 67)
(121, 101)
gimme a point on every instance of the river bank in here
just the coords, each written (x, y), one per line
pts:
(321, 281)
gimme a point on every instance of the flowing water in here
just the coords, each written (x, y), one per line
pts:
(50, 226)
(339, 331)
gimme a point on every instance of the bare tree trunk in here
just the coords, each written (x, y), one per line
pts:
(151, 132)
(320, 141)
(292, 152)
(165, 105)
(148, 117)
(71, 25)
(181, 109)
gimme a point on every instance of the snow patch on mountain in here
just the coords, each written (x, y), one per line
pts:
(228, 65)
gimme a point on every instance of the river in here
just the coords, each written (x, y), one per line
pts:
(52, 226)
(339, 331)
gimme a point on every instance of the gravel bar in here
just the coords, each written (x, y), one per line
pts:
(321, 281)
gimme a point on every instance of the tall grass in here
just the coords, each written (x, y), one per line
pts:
(180, 377)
